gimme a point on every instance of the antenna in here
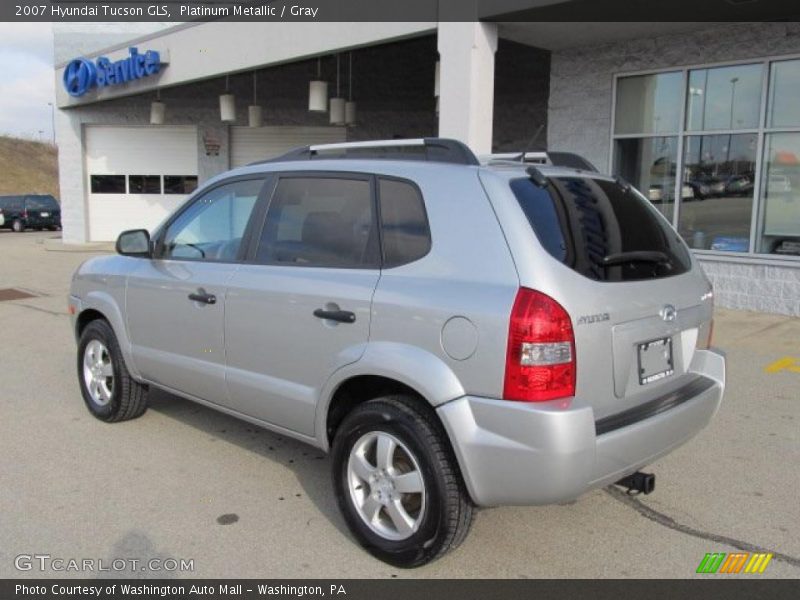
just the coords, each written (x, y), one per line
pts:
(531, 142)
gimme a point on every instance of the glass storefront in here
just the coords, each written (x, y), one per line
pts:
(701, 145)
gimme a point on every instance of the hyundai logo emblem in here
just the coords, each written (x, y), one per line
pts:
(79, 76)
(668, 313)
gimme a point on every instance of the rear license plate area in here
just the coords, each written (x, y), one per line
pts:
(655, 360)
(45, 214)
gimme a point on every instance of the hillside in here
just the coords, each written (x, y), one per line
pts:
(28, 167)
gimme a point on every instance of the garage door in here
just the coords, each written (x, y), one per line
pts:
(251, 144)
(137, 176)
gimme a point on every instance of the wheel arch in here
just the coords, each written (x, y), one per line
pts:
(385, 368)
(101, 305)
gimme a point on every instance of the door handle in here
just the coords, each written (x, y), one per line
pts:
(343, 316)
(201, 296)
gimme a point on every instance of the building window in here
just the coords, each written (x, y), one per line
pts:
(735, 162)
(144, 184)
(720, 173)
(724, 98)
(107, 184)
(650, 164)
(649, 103)
(180, 184)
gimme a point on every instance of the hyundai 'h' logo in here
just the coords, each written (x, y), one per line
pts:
(79, 76)
(668, 313)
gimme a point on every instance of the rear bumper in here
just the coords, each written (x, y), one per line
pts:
(520, 453)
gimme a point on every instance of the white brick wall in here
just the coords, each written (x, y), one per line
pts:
(764, 288)
(579, 120)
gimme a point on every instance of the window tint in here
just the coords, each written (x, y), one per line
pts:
(591, 225)
(180, 184)
(144, 184)
(108, 184)
(320, 222)
(540, 209)
(211, 228)
(42, 203)
(11, 203)
(404, 224)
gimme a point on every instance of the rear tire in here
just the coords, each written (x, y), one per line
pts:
(397, 482)
(17, 226)
(108, 390)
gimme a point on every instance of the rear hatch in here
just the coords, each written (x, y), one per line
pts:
(42, 211)
(639, 304)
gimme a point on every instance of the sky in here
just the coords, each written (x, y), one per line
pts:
(27, 85)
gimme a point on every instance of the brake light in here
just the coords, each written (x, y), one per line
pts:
(540, 359)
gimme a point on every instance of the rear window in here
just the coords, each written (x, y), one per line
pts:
(601, 229)
(42, 202)
(404, 224)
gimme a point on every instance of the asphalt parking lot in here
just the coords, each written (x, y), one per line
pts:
(185, 482)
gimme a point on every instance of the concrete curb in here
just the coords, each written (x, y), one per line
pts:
(55, 244)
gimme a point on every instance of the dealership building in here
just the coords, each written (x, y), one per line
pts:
(703, 118)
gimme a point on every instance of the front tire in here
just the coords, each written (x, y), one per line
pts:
(17, 226)
(397, 482)
(108, 390)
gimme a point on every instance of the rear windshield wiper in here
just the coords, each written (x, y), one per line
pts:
(650, 256)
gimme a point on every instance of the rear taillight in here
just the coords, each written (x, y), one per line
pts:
(540, 359)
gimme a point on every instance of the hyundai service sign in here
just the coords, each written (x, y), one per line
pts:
(81, 74)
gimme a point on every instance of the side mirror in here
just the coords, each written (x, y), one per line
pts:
(134, 242)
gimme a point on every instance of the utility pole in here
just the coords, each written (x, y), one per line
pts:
(53, 120)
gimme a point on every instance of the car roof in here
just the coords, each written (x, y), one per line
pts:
(405, 168)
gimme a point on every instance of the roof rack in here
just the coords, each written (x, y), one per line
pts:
(425, 149)
(556, 159)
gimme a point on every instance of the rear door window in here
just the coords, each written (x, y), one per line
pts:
(602, 229)
(319, 221)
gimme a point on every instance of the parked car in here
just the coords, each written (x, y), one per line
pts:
(656, 193)
(456, 335)
(739, 185)
(705, 186)
(30, 212)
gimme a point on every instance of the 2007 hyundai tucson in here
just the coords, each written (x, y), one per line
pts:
(456, 334)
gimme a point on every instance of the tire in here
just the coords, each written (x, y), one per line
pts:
(108, 390)
(435, 520)
(17, 226)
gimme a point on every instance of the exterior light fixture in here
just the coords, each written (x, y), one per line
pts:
(227, 104)
(158, 110)
(337, 103)
(318, 92)
(350, 105)
(254, 116)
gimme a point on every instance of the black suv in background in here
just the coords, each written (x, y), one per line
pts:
(30, 212)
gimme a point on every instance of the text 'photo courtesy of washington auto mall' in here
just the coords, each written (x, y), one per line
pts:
(454, 298)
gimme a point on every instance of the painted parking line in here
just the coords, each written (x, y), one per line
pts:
(787, 363)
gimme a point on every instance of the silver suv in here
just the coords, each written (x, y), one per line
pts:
(456, 334)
